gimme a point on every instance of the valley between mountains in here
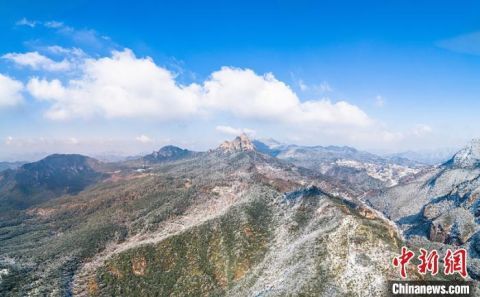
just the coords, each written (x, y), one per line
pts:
(249, 218)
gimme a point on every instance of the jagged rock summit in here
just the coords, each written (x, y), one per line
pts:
(241, 143)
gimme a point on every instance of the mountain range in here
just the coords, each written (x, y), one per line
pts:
(248, 218)
(440, 206)
(361, 170)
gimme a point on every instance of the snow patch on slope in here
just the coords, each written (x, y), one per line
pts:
(389, 173)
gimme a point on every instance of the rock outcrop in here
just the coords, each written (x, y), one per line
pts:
(241, 143)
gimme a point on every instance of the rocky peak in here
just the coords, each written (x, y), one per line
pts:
(241, 143)
(468, 157)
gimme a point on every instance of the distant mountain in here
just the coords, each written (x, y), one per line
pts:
(361, 170)
(10, 165)
(50, 177)
(320, 153)
(428, 157)
(441, 205)
(166, 154)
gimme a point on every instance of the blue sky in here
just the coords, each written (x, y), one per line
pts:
(377, 75)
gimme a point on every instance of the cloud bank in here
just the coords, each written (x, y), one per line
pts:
(123, 85)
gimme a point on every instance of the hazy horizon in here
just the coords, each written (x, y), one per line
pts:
(439, 154)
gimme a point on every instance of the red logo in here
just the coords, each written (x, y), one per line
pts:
(454, 262)
(428, 262)
(403, 260)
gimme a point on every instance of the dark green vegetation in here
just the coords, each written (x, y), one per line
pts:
(204, 260)
(51, 177)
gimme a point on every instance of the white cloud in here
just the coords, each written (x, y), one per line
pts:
(325, 112)
(33, 23)
(69, 52)
(81, 37)
(37, 61)
(126, 86)
(143, 139)
(324, 87)
(25, 22)
(421, 130)
(118, 86)
(235, 131)
(73, 140)
(9, 140)
(43, 89)
(10, 91)
(302, 85)
(379, 101)
(468, 43)
(247, 95)
(53, 24)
